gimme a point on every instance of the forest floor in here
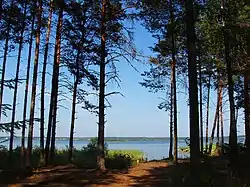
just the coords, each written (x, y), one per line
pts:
(150, 174)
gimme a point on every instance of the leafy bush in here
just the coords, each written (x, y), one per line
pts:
(123, 159)
(119, 161)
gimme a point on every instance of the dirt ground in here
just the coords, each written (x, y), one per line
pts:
(143, 175)
(150, 174)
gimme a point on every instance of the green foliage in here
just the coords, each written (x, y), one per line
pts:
(84, 158)
(214, 151)
(120, 159)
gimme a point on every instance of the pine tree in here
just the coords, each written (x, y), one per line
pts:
(20, 47)
(34, 82)
(46, 49)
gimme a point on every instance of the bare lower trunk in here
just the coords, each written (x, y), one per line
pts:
(72, 127)
(221, 113)
(247, 109)
(48, 137)
(171, 120)
(218, 118)
(247, 99)
(101, 154)
(233, 128)
(26, 93)
(34, 82)
(71, 138)
(193, 90)
(16, 85)
(236, 115)
(53, 135)
(6, 48)
(208, 102)
(174, 84)
(214, 127)
(42, 161)
(218, 128)
(201, 113)
(56, 80)
(175, 114)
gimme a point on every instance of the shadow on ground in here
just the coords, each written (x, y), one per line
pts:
(213, 173)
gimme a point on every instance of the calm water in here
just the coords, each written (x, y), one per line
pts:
(153, 149)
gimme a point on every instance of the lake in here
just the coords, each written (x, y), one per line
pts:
(153, 148)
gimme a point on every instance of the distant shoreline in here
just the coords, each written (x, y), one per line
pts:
(115, 139)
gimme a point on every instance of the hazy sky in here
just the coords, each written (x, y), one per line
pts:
(136, 114)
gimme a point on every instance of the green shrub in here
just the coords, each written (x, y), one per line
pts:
(118, 161)
(123, 159)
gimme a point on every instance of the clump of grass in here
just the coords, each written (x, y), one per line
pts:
(121, 159)
(214, 151)
(135, 155)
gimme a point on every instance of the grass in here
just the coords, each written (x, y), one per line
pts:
(83, 158)
(133, 154)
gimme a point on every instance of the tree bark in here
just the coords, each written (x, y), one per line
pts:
(218, 118)
(247, 97)
(26, 92)
(34, 82)
(71, 138)
(171, 118)
(214, 127)
(16, 85)
(208, 107)
(201, 113)
(193, 89)
(101, 155)
(6, 48)
(174, 83)
(233, 128)
(72, 127)
(49, 128)
(221, 114)
(43, 83)
(56, 77)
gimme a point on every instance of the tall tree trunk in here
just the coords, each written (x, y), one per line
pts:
(236, 115)
(16, 84)
(101, 155)
(247, 98)
(26, 92)
(43, 83)
(72, 127)
(34, 82)
(218, 118)
(201, 113)
(218, 128)
(208, 107)
(56, 78)
(174, 82)
(171, 118)
(71, 138)
(221, 114)
(233, 128)
(6, 48)
(214, 127)
(51, 108)
(193, 90)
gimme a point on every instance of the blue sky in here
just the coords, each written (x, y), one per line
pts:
(135, 114)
